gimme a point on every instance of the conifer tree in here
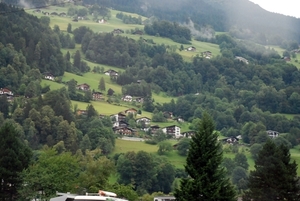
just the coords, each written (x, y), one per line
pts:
(101, 84)
(275, 176)
(14, 158)
(207, 179)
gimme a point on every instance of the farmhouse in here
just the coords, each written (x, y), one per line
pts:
(207, 54)
(111, 73)
(188, 134)
(116, 118)
(230, 140)
(272, 134)
(127, 98)
(83, 87)
(143, 120)
(154, 129)
(49, 76)
(130, 111)
(102, 21)
(172, 130)
(5, 91)
(81, 112)
(97, 96)
(117, 31)
(124, 131)
(191, 48)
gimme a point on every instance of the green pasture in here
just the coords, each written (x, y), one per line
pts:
(53, 85)
(93, 80)
(294, 61)
(102, 107)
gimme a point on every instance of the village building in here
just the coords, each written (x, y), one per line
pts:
(5, 91)
(83, 87)
(127, 98)
(272, 134)
(191, 48)
(49, 76)
(97, 96)
(173, 131)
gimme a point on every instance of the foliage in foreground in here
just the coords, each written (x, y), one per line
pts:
(207, 179)
(275, 176)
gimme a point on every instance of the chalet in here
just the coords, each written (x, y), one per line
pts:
(81, 112)
(191, 48)
(5, 91)
(130, 111)
(230, 140)
(54, 13)
(45, 13)
(139, 100)
(154, 129)
(117, 31)
(127, 98)
(138, 32)
(38, 10)
(102, 21)
(62, 14)
(123, 124)
(172, 130)
(179, 119)
(83, 87)
(168, 115)
(144, 120)
(242, 59)
(272, 134)
(49, 76)
(188, 134)
(124, 131)
(207, 54)
(97, 96)
(286, 58)
(111, 73)
(116, 118)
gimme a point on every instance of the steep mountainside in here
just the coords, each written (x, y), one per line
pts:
(242, 17)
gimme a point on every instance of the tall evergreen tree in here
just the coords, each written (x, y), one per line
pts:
(14, 158)
(101, 86)
(77, 60)
(207, 179)
(275, 176)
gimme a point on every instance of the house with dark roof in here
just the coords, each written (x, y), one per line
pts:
(83, 87)
(272, 134)
(172, 130)
(97, 96)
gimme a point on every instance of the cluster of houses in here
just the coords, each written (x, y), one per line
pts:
(120, 126)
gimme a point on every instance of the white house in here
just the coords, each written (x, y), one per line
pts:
(173, 130)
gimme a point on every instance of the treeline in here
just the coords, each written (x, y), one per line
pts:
(128, 19)
(31, 38)
(167, 29)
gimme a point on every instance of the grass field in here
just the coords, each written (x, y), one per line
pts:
(123, 146)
